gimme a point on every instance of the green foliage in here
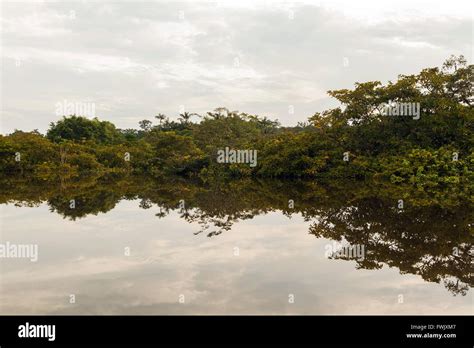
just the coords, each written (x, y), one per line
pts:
(403, 149)
(290, 154)
(80, 128)
(222, 129)
(23, 151)
(174, 153)
(437, 172)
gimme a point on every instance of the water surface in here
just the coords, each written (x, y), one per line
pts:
(239, 247)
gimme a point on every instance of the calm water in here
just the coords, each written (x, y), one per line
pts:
(129, 247)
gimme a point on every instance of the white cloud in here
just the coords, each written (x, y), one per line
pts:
(162, 55)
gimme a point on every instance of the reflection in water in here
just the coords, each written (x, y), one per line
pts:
(430, 237)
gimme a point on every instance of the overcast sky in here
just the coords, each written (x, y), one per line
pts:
(136, 59)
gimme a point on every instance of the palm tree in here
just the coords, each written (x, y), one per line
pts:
(186, 116)
(160, 117)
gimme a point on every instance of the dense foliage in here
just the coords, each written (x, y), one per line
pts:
(353, 140)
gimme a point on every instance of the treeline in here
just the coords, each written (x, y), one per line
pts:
(354, 140)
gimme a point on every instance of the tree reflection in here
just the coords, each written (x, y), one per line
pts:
(430, 237)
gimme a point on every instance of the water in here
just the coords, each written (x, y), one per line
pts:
(240, 247)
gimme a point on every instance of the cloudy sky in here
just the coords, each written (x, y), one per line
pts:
(133, 60)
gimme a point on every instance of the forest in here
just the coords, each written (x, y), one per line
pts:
(355, 140)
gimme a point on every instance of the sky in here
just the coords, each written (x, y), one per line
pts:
(133, 60)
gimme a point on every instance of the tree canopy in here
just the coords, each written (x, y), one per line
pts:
(354, 140)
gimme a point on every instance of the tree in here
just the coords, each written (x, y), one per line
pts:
(161, 117)
(174, 153)
(80, 128)
(145, 125)
(185, 117)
